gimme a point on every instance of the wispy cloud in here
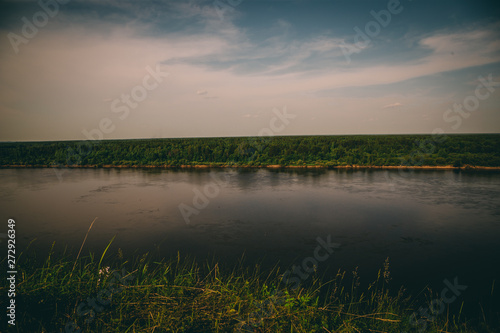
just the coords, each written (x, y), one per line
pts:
(260, 56)
(393, 105)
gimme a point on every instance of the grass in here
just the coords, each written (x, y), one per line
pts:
(59, 294)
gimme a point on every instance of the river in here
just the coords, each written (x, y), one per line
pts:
(433, 225)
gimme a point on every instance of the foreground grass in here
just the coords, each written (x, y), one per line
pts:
(180, 295)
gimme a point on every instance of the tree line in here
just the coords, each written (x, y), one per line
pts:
(363, 150)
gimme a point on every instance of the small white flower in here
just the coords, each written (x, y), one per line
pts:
(103, 273)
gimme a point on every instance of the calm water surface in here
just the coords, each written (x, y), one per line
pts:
(433, 225)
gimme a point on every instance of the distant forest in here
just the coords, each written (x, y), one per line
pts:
(328, 151)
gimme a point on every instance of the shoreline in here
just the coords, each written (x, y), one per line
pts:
(271, 166)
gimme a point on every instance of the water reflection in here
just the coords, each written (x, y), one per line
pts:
(432, 224)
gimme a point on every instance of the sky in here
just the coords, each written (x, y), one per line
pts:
(112, 69)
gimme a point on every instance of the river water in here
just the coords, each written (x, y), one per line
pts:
(433, 225)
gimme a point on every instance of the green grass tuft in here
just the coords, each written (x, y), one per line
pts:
(182, 295)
